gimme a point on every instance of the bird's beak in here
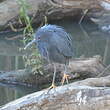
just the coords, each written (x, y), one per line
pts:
(29, 44)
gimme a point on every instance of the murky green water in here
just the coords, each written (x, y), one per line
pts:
(12, 92)
(87, 41)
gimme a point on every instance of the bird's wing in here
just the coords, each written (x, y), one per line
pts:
(43, 49)
(63, 43)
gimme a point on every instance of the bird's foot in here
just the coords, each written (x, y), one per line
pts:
(65, 77)
(52, 86)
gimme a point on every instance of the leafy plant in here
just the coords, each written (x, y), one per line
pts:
(24, 17)
(33, 61)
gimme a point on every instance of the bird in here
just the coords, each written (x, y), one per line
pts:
(55, 45)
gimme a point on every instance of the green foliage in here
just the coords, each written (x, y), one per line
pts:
(33, 61)
(24, 18)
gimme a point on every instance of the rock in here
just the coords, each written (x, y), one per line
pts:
(74, 96)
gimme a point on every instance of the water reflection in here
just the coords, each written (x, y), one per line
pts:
(11, 92)
(87, 41)
(11, 58)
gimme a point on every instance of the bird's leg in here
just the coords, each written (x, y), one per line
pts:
(53, 81)
(65, 76)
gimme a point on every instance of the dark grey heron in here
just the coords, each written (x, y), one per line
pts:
(54, 44)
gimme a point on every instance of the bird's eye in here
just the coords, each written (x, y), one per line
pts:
(39, 38)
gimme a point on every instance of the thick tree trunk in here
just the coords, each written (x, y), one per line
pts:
(103, 20)
(80, 95)
(53, 9)
(84, 67)
(79, 68)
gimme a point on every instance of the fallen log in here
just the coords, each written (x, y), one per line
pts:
(84, 67)
(53, 9)
(103, 18)
(74, 96)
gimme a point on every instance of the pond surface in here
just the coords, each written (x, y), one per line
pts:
(12, 92)
(88, 41)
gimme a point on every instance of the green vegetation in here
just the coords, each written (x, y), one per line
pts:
(33, 61)
(28, 30)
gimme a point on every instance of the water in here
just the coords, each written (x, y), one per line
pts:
(88, 41)
(10, 57)
(11, 92)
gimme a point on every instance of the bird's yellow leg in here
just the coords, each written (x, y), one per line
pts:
(65, 77)
(52, 86)
(53, 81)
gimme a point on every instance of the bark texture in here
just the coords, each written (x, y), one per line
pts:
(53, 9)
(77, 69)
(74, 96)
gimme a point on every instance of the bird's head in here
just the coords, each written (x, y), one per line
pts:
(43, 34)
